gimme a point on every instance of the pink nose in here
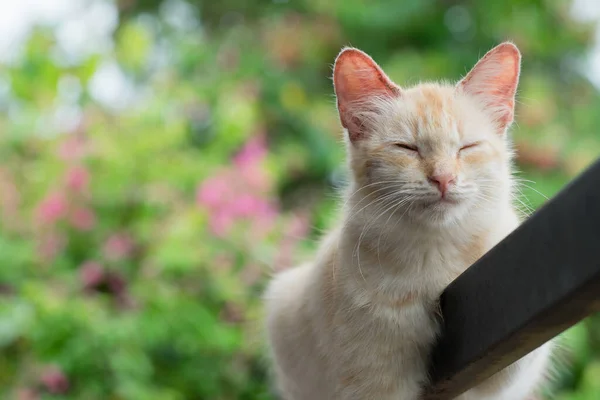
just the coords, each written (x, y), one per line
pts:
(443, 181)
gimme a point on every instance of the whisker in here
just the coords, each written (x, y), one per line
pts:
(397, 205)
(366, 228)
(376, 200)
(537, 191)
(351, 195)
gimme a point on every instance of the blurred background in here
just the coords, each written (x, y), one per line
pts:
(160, 158)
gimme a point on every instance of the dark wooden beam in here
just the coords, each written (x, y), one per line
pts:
(539, 281)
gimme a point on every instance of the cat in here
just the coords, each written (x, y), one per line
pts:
(430, 192)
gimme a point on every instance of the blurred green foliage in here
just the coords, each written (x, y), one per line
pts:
(136, 238)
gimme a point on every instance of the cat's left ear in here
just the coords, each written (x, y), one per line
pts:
(494, 80)
(358, 81)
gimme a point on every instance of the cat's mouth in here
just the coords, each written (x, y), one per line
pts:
(442, 201)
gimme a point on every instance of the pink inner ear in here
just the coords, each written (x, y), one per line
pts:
(357, 78)
(494, 80)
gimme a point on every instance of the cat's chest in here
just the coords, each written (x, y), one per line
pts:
(406, 287)
(423, 269)
(401, 284)
(437, 265)
(396, 314)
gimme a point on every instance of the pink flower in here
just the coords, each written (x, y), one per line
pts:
(221, 222)
(91, 274)
(118, 246)
(73, 148)
(55, 381)
(246, 205)
(253, 152)
(52, 208)
(82, 219)
(255, 178)
(78, 179)
(27, 394)
(240, 193)
(50, 245)
(267, 211)
(214, 191)
(264, 220)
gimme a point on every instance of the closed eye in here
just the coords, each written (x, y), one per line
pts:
(406, 146)
(470, 146)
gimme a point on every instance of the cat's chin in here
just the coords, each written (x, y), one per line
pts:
(441, 211)
(442, 203)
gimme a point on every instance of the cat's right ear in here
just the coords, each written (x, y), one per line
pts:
(358, 82)
(493, 81)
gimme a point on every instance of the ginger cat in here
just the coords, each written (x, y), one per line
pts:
(430, 193)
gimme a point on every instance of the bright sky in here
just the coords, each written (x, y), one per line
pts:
(17, 18)
(82, 27)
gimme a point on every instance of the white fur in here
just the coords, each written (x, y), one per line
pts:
(359, 321)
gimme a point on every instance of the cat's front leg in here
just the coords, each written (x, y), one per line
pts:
(379, 384)
(383, 355)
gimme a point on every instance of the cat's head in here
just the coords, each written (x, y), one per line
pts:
(432, 151)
